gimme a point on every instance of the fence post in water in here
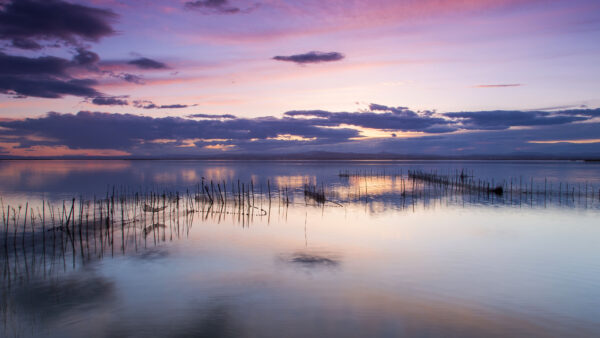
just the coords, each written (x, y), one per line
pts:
(25, 223)
(239, 197)
(252, 187)
(220, 194)
(43, 227)
(531, 188)
(6, 232)
(249, 200)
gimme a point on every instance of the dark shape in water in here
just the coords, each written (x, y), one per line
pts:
(498, 191)
(318, 195)
(311, 260)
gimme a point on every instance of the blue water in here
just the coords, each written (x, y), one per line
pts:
(432, 262)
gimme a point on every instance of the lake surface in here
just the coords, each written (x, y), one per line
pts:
(240, 249)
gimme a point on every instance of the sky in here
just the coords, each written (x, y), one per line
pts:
(213, 77)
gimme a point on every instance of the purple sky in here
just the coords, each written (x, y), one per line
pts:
(170, 78)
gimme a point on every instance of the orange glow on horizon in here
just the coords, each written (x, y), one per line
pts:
(222, 147)
(290, 137)
(50, 151)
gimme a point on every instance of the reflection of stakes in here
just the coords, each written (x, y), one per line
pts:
(142, 209)
(317, 195)
(152, 228)
(459, 183)
(269, 188)
(462, 183)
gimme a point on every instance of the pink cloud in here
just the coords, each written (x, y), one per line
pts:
(313, 17)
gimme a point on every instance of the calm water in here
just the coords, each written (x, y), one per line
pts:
(384, 256)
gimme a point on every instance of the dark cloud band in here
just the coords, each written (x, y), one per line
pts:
(212, 116)
(144, 104)
(35, 24)
(504, 119)
(483, 132)
(311, 57)
(110, 101)
(146, 63)
(218, 7)
(46, 76)
(26, 22)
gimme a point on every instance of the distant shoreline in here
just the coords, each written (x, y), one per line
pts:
(334, 157)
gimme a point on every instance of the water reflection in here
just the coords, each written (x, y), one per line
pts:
(52, 298)
(127, 220)
(383, 255)
(93, 177)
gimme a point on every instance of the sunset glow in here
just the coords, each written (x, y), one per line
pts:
(282, 77)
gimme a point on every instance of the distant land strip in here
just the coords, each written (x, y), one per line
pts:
(330, 156)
